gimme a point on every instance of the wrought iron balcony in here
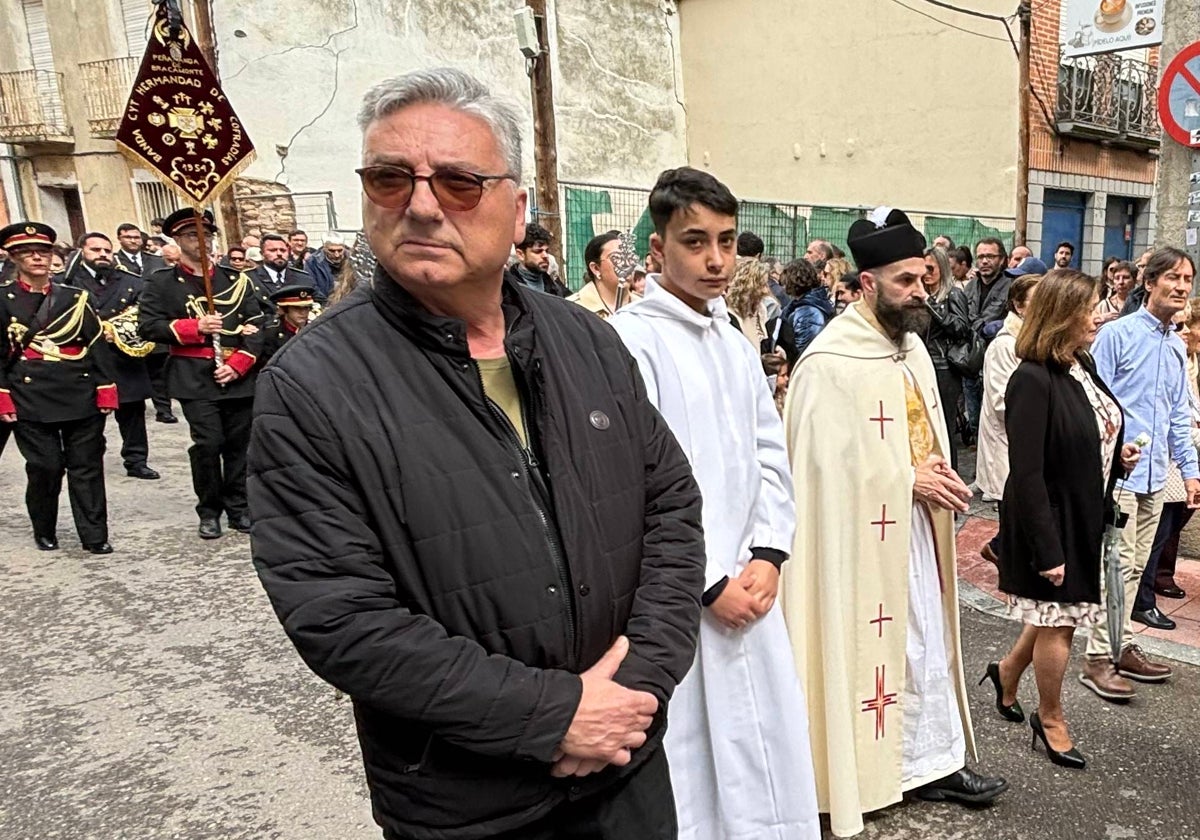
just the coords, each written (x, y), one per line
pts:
(106, 86)
(31, 108)
(1110, 99)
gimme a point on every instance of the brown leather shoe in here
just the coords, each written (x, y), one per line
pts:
(987, 554)
(1137, 666)
(1100, 675)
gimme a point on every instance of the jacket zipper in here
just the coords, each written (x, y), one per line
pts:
(540, 498)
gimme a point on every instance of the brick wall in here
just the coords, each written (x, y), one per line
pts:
(1070, 156)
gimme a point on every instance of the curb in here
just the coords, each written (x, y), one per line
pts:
(980, 601)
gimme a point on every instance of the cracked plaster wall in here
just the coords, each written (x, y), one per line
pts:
(853, 102)
(298, 76)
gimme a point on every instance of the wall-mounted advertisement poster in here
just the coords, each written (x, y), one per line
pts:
(1100, 26)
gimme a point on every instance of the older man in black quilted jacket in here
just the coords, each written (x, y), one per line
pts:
(466, 513)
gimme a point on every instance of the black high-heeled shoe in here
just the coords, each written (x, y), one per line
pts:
(1072, 759)
(1012, 713)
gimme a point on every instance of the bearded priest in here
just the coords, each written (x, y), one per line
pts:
(870, 595)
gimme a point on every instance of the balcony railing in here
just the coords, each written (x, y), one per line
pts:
(1109, 98)
(31, 108)
(106, 86)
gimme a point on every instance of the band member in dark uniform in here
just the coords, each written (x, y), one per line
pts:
(114, 291)
(293, 307)
(133, 256)
(275, 272)
(56, 382)
(216, 394)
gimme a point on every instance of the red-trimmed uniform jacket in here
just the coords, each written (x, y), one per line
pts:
(64, 372)
(170, 306)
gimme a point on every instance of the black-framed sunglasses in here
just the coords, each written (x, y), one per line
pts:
(455, 189)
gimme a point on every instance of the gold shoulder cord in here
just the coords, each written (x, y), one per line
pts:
(65, 329)
(231, 298)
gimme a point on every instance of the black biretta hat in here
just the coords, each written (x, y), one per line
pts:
(885, 236)
(182, 219)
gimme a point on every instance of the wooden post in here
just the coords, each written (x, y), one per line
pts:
(545, 139)
(207, 41)
(1024, 94)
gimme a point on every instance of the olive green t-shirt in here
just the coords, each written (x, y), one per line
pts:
(501, 388)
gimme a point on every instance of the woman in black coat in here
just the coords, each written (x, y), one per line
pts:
(1065, 429)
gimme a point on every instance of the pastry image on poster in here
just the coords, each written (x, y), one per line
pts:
(1091, 27)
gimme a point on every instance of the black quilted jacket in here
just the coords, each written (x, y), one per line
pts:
(450, 586)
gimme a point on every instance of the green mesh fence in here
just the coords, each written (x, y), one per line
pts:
(786, 229)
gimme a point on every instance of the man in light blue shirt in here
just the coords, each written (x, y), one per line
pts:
(1144, 363)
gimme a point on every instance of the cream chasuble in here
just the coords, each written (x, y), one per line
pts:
(861, 591)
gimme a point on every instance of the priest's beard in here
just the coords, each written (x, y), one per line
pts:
(898, 319)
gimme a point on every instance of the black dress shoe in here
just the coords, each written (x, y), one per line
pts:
(210, 529)
(1154, 617)
(142, 471)
(166, 418)
(98, 548)
(46, 543)
(965, 786)
(1072, 759)
(1171, 591)
(240, 523)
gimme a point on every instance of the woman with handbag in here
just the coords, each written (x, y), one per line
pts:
(949, 329)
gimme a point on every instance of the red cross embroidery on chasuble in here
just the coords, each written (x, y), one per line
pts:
(881, 420)
(879, 703)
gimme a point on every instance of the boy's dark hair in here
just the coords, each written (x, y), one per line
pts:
(94, 234)
(963, 254)
(157, 222)
(749, 244)
(158, 240)
(799, 277)
(678, 189)
(851, 281)
(535, 234)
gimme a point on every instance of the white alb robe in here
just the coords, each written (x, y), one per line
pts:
(737, 738)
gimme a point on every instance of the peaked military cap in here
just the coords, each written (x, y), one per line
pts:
(180, 220)
(27, 233)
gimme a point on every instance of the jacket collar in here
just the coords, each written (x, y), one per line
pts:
(448, 336)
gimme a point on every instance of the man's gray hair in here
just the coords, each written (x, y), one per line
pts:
(455, 89)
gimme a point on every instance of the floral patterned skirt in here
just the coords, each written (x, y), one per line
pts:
(1052, 613)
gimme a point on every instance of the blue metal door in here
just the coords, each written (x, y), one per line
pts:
(1062, 221)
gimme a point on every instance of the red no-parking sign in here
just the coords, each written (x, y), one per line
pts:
(1179, 97)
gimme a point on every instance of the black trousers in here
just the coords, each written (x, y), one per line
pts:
(641, 807)
(131, 420)
(75, 448)
(156, 364)
(1160, 568)
(5, 431)
(949, 386)
(220, 436)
